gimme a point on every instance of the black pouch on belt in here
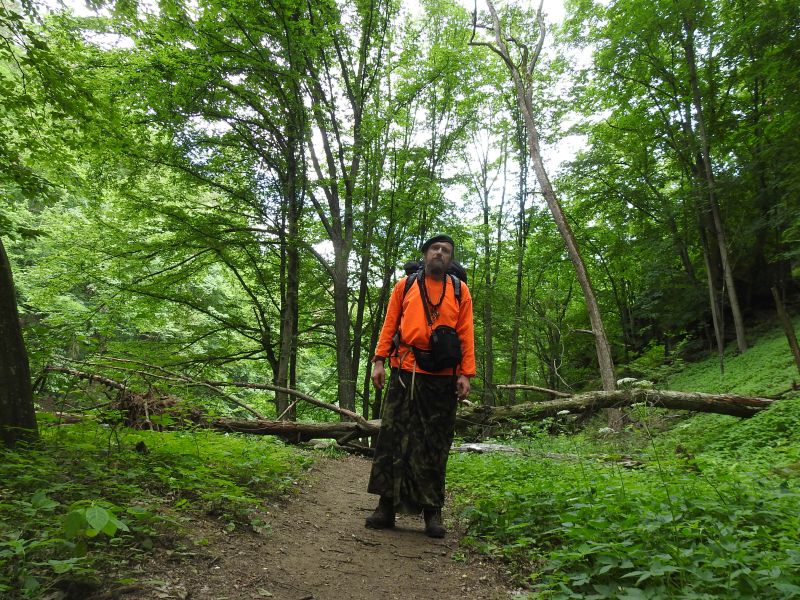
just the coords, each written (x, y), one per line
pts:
(445, 352)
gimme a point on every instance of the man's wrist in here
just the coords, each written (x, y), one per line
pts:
(378, 359)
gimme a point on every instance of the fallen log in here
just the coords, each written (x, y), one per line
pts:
(725, 404)
(295, 432)
(470, 416)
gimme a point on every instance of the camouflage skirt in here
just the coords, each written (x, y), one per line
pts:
(414, 441)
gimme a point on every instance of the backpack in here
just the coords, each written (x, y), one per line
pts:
(415, 268)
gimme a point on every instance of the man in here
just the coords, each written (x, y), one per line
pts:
(418, 414)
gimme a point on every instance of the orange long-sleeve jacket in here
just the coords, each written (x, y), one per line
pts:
(414, 328)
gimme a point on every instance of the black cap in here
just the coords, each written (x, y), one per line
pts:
(438, 238)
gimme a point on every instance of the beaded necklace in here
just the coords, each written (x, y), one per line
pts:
(434, 308)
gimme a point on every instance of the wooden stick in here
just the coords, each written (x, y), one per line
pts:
(520, 386)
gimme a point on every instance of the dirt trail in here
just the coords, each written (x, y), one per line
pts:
(319, 549)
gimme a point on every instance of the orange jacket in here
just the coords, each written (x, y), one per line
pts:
(414, 328)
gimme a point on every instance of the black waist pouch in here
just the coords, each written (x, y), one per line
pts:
(445, 352)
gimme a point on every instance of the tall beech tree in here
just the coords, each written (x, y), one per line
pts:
(237, 110)
(342, 71)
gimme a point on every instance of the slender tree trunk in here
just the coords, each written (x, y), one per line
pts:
(521, 241)
(17, 415)
(709, 177)
(488, 348)
(290, 308)
(716, 319)
(788, 327)
(341, 296)
(525, 100)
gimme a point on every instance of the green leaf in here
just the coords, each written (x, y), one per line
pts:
(40, 500)
(63, 566)
(30, 583)
(97, 517)
(74, 523)
(113, 526)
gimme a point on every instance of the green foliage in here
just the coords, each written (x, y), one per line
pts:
(707, 507)
(591, 530)
(89, 500)
(766, 368)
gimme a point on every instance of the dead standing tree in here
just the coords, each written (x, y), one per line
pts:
(521, 71)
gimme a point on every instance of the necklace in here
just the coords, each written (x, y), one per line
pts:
(434, 308)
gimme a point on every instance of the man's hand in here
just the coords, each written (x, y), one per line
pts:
(378, 374)
(462, 386)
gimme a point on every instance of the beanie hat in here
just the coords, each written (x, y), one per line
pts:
(439, 238)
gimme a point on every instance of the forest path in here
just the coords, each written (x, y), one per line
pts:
(319, 549)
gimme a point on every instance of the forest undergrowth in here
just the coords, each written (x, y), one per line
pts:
(79, 509)
(675, 506)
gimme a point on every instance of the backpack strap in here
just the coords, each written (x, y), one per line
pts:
(456, 287)
(417, 275)
(410, 279)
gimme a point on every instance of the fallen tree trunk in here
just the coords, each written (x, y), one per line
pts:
(293, 431)
(725, 404)
(533, 388)
(345, 431)
(214, 385)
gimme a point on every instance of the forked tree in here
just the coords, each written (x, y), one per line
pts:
(521, 64)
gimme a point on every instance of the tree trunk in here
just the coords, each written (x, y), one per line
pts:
(341, 293)
(483, 416)
(788, 328)
(17, 415)
(725, 404)
(716, 318)
(299, 432)
(524, 92)
(291, 275)
(709, 177)
(521, 244)
(484, 189)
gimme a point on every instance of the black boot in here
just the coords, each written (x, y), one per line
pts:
(383, 517)
(433, 523)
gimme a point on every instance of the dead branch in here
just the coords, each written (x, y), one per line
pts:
(178, 378)
(216, 384)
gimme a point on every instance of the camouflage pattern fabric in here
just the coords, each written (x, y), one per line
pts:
(414, 441)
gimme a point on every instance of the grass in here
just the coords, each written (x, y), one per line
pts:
(88, 500)
(699, 507)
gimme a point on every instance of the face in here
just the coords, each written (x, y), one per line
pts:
(438, 258)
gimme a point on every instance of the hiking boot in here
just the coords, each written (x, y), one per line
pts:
(433, 523)
(383, 517)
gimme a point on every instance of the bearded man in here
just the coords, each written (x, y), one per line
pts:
(428, 324)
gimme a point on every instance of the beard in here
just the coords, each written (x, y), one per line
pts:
(435, 267)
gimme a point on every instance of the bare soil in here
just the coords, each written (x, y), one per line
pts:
(317, 548)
